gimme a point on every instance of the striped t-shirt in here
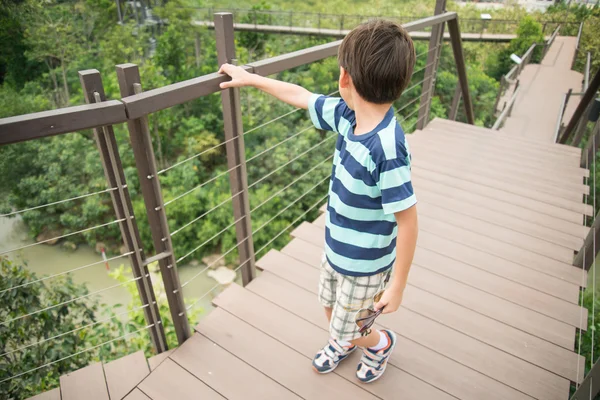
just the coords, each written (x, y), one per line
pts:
(370, 181)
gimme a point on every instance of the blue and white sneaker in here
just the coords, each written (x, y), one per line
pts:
(330, 356)
(373, 363)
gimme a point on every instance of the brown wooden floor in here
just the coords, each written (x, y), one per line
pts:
(490, 310)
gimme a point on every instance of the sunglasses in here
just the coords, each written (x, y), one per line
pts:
(365, 317)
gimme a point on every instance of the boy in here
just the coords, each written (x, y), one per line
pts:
(371, 224)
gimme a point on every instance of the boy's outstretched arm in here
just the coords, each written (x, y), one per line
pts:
(406, 242)
(289, 93)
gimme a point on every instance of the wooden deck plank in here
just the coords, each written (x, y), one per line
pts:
(137, 394)
(430, 366)
(218, 368)
(509, 252)
(53, 394)
(476, 258)
(486, 327)
(565, 198)
(497, 232)
(456, 126)
(529, 204)
(478, 290)
(308, 339)
(555, 237)
(569, 191)
(156, 360)
(575, 229)
(85, 383)
(501, 146)
(478, 152)
(170, 381)
(123, 374)
(280, 362)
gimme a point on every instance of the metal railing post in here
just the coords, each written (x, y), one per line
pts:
(587, 98)
(93, 91)
(592, 146)
(145, 160)
(587, 390)
(455, 102)
(236, 158)
(459, 59)
(435, 49)
(589, 246)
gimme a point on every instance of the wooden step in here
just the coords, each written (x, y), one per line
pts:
(568, 198)
(477, 155)
(156, 360)
(218, 368)
(499, 146)
(123, 374)
(170, 381)
(505, 235)
(461, 127)
(524, 308)
(574, 229)
(476, 258)
(137, 394)
(510, 198)
(475, 211)
(276, 359)
(85, 383)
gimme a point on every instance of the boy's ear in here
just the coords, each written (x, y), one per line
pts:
(344, 78)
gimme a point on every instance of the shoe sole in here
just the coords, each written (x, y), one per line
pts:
(384, 367)
(335, 366)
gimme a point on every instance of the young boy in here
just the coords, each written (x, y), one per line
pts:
(371, 225)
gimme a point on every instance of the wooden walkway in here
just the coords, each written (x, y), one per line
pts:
(543, 86)
(490, 310)
(340, 33)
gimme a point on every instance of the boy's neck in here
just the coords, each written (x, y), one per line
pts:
(368, 115)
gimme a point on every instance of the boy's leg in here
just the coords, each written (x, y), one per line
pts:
(328, 312)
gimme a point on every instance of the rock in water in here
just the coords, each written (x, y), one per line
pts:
(214, 261)
(223, 275)
(69, 246)
(99, 247)
(46, 235)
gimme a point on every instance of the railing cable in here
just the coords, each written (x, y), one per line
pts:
(593, 328)
(291, 184)
(62, 236)
(79, 352)
(59, 202)
(290, 161)
(212, 238)
(72, 300)
(162, 171)
(206, 213)
(75, 330)
(67, 272)
(280, 143)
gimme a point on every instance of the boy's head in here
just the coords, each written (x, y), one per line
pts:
(377, 59)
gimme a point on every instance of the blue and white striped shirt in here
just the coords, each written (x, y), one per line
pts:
(370, 181)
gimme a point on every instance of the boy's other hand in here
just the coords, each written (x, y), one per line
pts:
(390, 301)
(239, 76)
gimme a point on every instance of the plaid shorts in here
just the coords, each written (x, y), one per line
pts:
(346, 295)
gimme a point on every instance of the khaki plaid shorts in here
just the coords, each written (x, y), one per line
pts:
(346, 295)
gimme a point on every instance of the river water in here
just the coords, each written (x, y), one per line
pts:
(47, 260)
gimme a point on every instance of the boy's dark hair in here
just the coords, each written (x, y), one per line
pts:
(380, 57)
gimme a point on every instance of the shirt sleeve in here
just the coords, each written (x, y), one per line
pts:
(395, 184)
(325, 112)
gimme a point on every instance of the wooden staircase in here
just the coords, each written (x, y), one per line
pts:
(490, 310)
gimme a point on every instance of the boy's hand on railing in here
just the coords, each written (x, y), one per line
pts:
(289, 93)
(239, 76)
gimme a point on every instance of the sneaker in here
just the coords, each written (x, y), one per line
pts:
(372, 364)
(330, 356)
